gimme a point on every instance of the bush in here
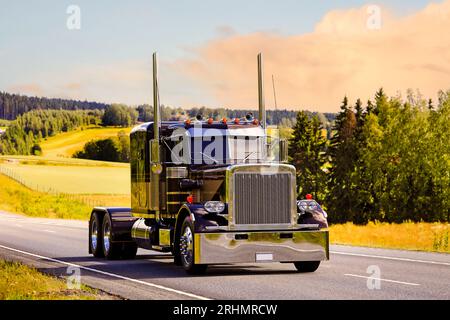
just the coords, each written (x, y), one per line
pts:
(110, 149)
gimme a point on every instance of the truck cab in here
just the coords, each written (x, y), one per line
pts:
(210, 192)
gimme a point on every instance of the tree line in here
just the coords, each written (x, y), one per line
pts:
(388, 160)
(24, 134)
(14, 105)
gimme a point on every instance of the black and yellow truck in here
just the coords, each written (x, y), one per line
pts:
(212, 192)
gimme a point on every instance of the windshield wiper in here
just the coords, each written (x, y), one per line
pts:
(248, 156)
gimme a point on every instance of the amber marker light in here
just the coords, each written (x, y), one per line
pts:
(236, 121)
(210, 121)
(190, 199)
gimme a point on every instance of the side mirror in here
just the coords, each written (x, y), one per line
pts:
(283, 149)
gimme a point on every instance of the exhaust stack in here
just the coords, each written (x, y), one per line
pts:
(261, 102)
(156, 168)
(156, 106)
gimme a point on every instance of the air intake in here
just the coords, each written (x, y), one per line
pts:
(262, 198)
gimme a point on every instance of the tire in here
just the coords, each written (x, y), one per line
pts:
(111, 250)
(95, 236)
(307, 266)
(187, 249)
(177, 258)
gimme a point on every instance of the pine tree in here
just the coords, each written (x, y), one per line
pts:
(307, 154)
(340, 200)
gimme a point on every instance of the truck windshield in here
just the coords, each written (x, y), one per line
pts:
(227, 150)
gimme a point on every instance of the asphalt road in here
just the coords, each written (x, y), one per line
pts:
(60, 246)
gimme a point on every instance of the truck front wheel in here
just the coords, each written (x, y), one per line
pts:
(187, 249)
(307, 266)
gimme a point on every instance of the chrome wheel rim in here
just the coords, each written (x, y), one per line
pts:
(106, 237)
(187, 247)
(94, 233)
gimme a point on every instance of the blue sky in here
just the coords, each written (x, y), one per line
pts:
(36, 46)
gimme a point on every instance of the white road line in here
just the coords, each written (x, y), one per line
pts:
(49, 231)
(385, 280)
(390, 258)
(34, 223)
(18, 225)
(149, 284)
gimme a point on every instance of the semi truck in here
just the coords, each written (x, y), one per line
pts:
(211, 192)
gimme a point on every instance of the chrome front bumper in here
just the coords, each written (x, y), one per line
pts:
(279, 246)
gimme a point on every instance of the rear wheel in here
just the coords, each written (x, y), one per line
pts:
(95, 237)
(187, 249)
(111, 250)
(307, 266)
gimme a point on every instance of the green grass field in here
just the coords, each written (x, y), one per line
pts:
(67, 143)
(19, 282)
(69, 176)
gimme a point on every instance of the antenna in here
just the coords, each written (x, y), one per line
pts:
(275, 98)
(274, 93)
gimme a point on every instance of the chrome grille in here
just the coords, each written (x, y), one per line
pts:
(262, 198)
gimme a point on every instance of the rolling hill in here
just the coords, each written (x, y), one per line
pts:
(66, 144)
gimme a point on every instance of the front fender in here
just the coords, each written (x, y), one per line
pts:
(317, 216)
(201, 218)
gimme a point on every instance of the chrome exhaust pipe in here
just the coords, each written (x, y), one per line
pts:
(155, 195)
(142, 234)
(156, 106)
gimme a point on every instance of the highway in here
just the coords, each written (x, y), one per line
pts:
(60, 246)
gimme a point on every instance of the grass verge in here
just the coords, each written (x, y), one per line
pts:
(14, 197)
(431, 237)
(19, 282)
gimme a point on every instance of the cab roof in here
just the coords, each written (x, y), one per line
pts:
(173, 125)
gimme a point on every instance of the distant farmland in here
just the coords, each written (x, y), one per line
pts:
(70, 176)
(66, 144)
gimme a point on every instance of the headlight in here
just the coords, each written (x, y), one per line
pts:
(308, 205)
(303, 205)
(214, 206)
(313, 205)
